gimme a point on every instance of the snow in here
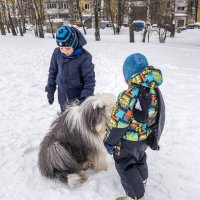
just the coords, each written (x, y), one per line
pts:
(56, 20)
(26, 116)
(181, 15)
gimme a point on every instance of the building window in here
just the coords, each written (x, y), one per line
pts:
(61, 5)
(51, 6)
(66, 5)
(181, 8)
(75, 6)
(86, 6)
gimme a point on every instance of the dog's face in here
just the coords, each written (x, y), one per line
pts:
(97, 112)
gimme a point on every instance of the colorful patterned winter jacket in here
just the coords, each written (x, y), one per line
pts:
(136, 108)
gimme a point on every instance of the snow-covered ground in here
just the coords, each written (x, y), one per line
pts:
(25, 116)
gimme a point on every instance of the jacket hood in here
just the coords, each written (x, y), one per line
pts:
(149, 77)
(81, 39)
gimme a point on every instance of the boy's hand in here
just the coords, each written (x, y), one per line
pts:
(110, 148)
(50, 89)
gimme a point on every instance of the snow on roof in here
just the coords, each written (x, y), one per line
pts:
(87, 15)
(55, 20)
(138, 21)
(181, 15)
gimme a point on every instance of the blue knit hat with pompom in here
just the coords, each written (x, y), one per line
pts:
(66, 37)
(133, 64)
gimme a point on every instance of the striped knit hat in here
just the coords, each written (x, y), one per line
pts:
(66, 37)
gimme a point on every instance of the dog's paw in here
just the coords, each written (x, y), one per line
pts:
(75, 180)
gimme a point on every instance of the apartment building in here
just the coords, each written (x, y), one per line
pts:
(59, 9)
(181, 13)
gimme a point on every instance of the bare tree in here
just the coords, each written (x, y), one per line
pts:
(19, 16)
(22, 4)
(197, 6)
(193, 9)
(105, 10)
(172, 13)
(97, 10)
(162, 32)
(3, 32)
(119, 15)
(4, 16)
(71, 11)
(148, 22)
(10, 19)
(111, 15)
(39, 16)
(80, 15)
(130, 21)
(51, 25)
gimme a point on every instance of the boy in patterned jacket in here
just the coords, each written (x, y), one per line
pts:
(137, 111)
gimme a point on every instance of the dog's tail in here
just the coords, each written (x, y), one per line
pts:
(56, 162)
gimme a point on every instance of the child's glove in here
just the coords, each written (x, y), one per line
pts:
(50, 89)
(110, 148)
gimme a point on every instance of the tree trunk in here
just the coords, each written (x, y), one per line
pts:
(97, 9)
(196, 10)
(3, 15)
(131, 31)
(36, 25)
(71, 11)
(148, 23)
(162, 34)
(120, 6)
(22, 13)
(20, 27)
(144, 35)
(11, 22)
(19, 14)
(51, 24)
(172, 34)
(6, 20)
(3, 32)
(39, 18)
(111, 16)
(80, 16)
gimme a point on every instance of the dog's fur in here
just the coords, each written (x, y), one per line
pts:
(74, 141)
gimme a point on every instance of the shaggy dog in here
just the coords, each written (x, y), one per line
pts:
(74, 141)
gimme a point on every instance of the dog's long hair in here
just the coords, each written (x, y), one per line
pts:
(74, 141)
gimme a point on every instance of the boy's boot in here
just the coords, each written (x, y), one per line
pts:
(128, 198)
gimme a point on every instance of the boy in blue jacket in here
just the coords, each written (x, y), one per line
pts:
(71, 68)
(136, 123)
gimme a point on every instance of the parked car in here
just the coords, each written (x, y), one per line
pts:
(180, 29)
(190, 26)
(138, 25)
(197, 25)
(105, 24)
(193, 26)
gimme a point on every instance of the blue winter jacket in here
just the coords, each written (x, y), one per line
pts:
(75, 77)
